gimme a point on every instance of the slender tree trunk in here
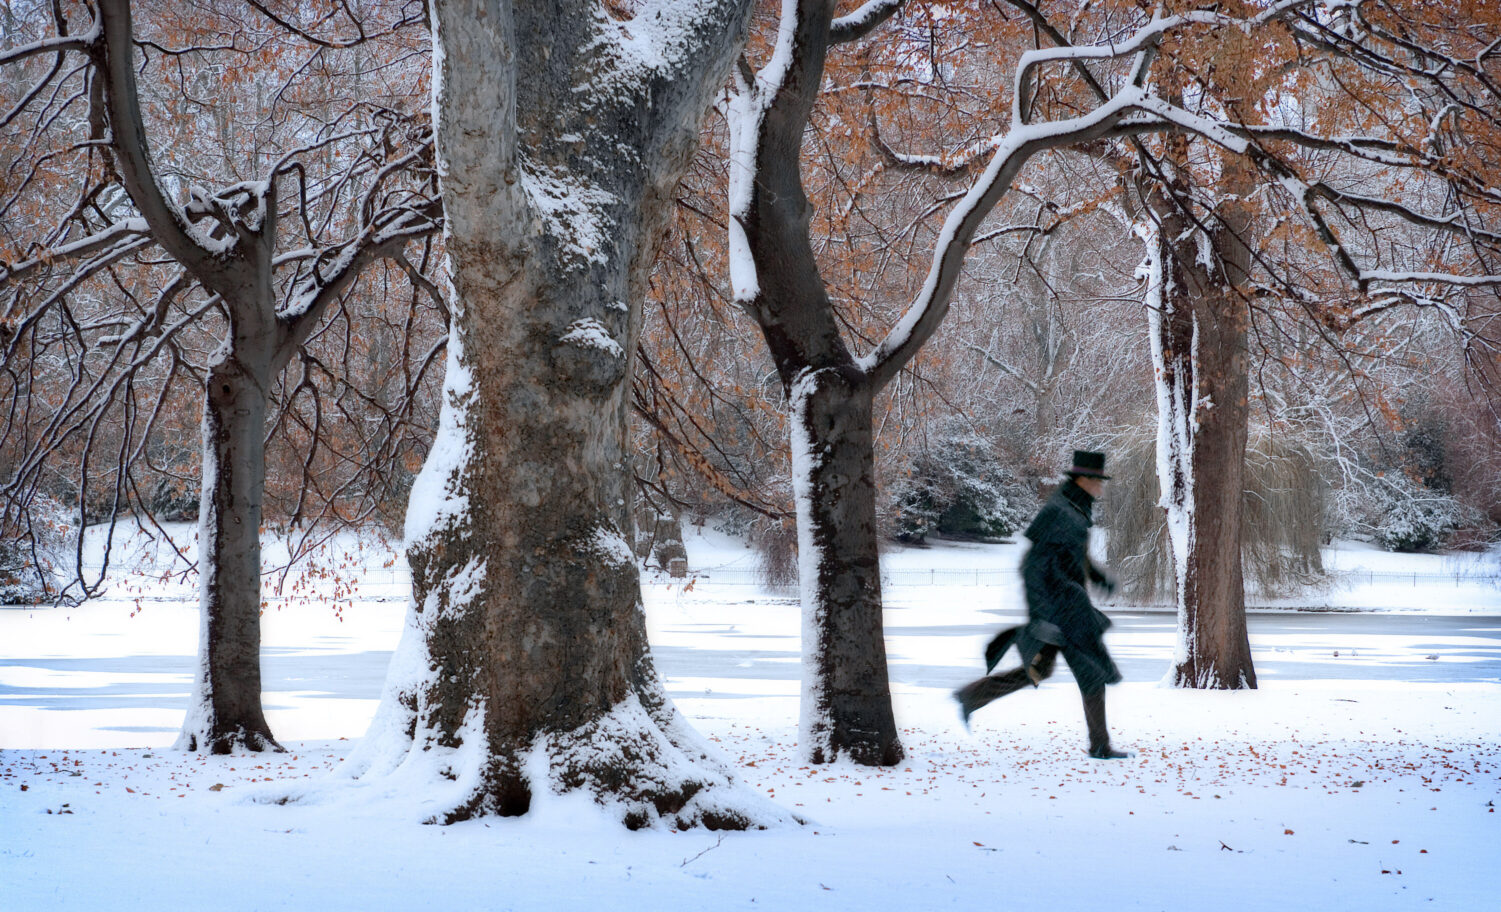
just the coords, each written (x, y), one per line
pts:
(774, 276)
(846, 699)
(1198, 328)
(1213, 623)
(846, 696)
(225, 713)
(233, 256)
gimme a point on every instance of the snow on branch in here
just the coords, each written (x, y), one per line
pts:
(361, 33)
(385, 236)
(663, 42)
(1396, 276)
(1026, 380)
(1013, 151)
(863, 21)
(1307, 193)
(1132, 109)
(953, 165)
(1384, 152)
(780, 84)
(124, 237)
(113, 56)
(1143, 41)
(58, 45)
(1379, 151)
(1453, 223)
(753, 96)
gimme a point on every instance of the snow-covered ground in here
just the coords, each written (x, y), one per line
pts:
(1363, 773)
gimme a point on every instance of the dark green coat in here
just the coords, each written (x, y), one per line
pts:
(1054, 572)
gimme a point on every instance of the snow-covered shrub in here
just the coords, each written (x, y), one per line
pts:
(1410, 517)
(915, 507)
(958, 488)
(174, 499)
(36, 554)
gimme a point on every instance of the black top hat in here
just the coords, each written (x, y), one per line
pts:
(1089, 464)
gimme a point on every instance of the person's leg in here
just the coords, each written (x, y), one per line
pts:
(979, 692)
(1099, 733)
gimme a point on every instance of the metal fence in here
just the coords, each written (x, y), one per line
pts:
(1458, 578)
(374, 578)
(749, 576)
(979, 576)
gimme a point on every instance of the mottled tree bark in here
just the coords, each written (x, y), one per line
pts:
(524, 672)
(1199, 319)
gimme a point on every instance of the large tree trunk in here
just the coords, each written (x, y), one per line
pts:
(225, 713)
(524, 672)
(525, 590)
(846, 698)
(1198, 328)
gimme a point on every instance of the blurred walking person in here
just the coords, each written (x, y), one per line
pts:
(1060, 616)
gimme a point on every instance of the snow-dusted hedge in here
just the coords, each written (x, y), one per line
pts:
(958, 487)
(1407, 516)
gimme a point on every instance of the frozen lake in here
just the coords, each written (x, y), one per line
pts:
(1287, 647)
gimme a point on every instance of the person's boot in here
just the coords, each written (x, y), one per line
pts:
(967, 704)
(1099, 734)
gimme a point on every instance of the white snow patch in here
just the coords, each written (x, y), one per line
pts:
(806, 459)
(1175, 431)
(745, 284)
(1385, 724)
(747, 111)
(439, 497)
(195, 724)
(612, 546)
(573, 212)
(590, 333)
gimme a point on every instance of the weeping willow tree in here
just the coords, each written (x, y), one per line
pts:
(1282, 518)
(776, 556)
